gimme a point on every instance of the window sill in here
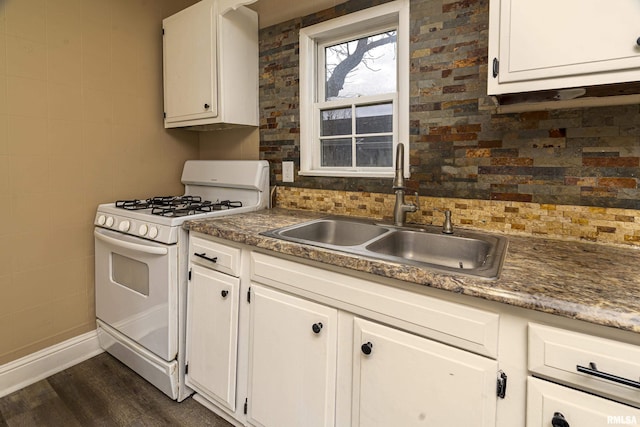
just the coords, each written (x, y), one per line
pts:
(348, 174)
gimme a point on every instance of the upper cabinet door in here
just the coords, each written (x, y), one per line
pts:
(550, 44)
(190, 63)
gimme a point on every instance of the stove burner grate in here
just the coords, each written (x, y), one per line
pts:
(158, 201)
(194, 208)
(177, 206)
(133, 204)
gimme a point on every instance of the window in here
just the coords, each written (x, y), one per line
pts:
(354, 101)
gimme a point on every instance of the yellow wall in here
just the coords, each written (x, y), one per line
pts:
(231, 144)
(80, 124)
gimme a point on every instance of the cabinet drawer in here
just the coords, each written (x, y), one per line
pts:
(456, 324)
(557, 354)
(546, 400)
(203, 252)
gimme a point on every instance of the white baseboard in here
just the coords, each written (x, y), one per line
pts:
(44, 363)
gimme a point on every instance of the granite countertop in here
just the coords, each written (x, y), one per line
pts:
(591, 282)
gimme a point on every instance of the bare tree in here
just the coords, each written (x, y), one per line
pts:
(350, 58)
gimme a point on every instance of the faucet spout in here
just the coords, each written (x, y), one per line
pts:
(401, 207)
(398, 181)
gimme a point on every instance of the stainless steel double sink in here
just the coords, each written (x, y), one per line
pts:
(464, 252)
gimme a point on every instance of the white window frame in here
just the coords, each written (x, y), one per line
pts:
(313, 38)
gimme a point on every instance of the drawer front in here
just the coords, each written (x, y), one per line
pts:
(459, 325)
(204, 252)
(581, 360)
(546, 400)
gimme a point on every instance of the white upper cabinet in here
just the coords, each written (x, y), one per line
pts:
(550, 44)
(210, 57)
(190, 67)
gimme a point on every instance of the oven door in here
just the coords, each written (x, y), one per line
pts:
(137, 290)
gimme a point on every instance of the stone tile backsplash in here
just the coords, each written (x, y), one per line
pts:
(586, 223)
(459, 147)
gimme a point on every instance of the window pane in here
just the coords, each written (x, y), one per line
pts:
(130, 273)
(374, 118)
(361, 67)
(335, 122)
(374, 151)
(336, 152)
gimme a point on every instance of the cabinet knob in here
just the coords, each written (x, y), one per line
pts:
(317, 327)
(206, 106)
(224, 294)
(558, 420)
(638, 41)
(366, 348)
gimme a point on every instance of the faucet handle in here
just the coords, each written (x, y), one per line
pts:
(447, 227)
(417, 200)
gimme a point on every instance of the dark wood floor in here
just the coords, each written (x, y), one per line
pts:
(100, 392)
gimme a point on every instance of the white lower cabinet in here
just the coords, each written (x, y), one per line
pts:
(329, 349)
(400, 379)
(292, 362)
(212, 335)
(278, 343)
(592, 381)
(599, 366)
(550, 404)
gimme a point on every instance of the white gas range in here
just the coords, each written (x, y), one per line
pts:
(141, 265)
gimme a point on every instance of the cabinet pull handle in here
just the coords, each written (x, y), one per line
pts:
(224, 293)
(558, 420)
(593, 370)
(366, 348)
(317, 327)
(204, 255)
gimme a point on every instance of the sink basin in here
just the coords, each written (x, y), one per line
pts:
(441, 249)
(334, 232)
(464, 252)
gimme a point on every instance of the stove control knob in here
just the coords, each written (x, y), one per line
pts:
(124, 226)
(143, 229)
(102, 219)
(153, 232)
(109, 221)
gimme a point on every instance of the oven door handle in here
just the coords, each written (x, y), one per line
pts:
(153, 250)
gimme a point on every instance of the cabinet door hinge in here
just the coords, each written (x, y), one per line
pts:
(246, 405)
(164, 114)
(249, 295)
(189, 275)
(186, 369)
(496, 67)
(501, 388)
(163, 31)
